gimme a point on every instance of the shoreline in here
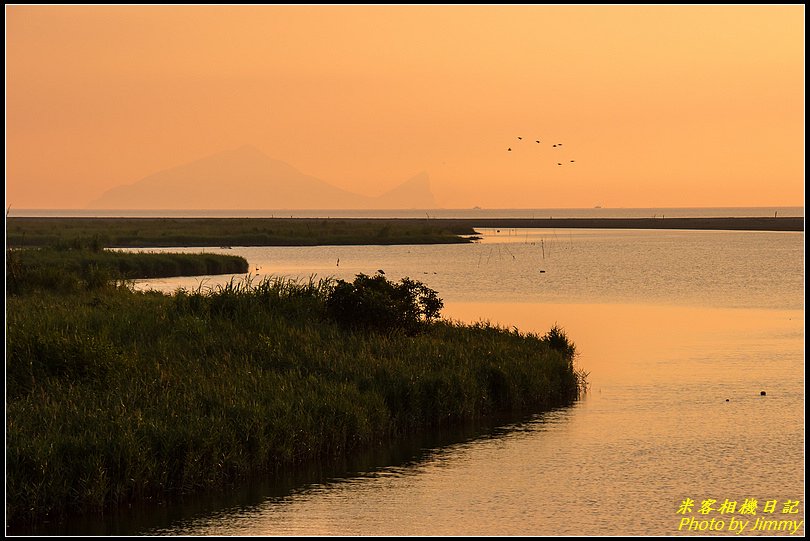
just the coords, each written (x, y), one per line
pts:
(314, 231)
(789, 223)
(161, 395)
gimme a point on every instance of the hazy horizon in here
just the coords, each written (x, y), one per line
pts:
(657, 106)
(417, 213)
(262, 182)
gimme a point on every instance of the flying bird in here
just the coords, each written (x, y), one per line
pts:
(554, 145)
(537, 141)
(521, 138)
(509, 149)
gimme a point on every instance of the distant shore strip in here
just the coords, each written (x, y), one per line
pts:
(789, 223)
(227, 232)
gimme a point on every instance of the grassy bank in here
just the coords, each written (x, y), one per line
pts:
(168, 232)
(114, 396)
(63, 269)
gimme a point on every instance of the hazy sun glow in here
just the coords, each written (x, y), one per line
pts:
(659, 105)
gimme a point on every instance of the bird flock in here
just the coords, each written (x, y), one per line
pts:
(560, 161)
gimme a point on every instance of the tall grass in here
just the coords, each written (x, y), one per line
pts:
(58, 269)
(115, 395)
(168, 232)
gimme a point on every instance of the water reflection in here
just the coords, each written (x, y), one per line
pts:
(380, 472)
(238, 509)
(655, 428)
(700, 268)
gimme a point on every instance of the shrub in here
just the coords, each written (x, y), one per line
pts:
(374, 303)
(557, 339)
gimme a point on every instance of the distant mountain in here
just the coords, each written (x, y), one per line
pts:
(414, 194)
(246, 178)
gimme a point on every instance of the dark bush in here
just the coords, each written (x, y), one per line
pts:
(374, 303)
(557, 339)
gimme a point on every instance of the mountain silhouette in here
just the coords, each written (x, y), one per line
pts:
(245, 178)
(414, 193)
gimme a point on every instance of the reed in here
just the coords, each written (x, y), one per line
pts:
(66, 269)
(115, 395)
(172, 232)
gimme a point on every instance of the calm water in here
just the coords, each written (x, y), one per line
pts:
(680, 331)
(717, 269)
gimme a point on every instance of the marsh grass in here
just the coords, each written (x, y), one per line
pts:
(115, 395)
(69, 269)
(92, 233)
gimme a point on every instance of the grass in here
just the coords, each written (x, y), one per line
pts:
(170, 232)
(115, 396)
(64, 269)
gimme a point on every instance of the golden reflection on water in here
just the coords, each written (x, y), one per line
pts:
(674, 412)
(612, 339)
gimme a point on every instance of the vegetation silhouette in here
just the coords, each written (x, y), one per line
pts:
(375, 303)
(116, 396)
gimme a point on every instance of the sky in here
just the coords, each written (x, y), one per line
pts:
(658, 105)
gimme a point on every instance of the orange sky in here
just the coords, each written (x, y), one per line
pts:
(660, 106)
